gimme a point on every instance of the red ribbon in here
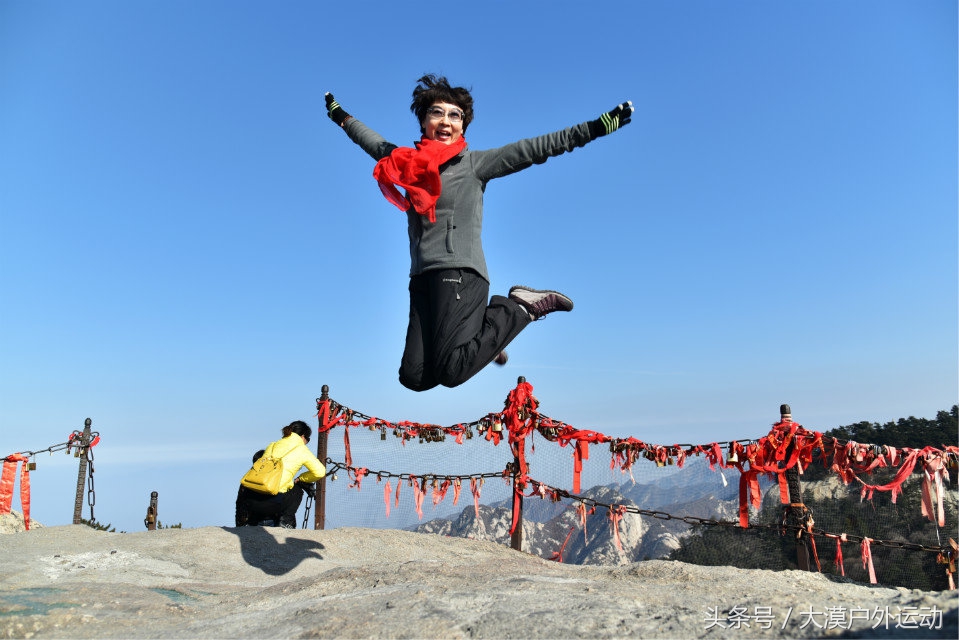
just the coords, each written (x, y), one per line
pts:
(418, 172)
(580, 453)
(457, 486)
(838, 559)
(358, 475)
(934, 470)
(346, 447)
(439, 493)
(615, 515)
(387, 490)
(895, 485)
(558, 555)
(418, 493)
(476, 487)
(749, 493)
(7, 481)
(867, 559)
(517, 498)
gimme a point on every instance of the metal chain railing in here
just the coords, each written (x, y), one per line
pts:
(543, 490)
(781, 528)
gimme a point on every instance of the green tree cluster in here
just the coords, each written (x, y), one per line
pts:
(911, 432)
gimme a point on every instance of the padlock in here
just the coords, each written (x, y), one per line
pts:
(382, 434)
(32, 466)
(733, 457)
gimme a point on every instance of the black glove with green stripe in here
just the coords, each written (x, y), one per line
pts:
(612, 120)
(335, 111)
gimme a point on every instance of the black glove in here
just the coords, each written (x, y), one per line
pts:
(611, 121)
(308, 488)
(335, 111)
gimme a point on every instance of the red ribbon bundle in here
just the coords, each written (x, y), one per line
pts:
(7, 481)
(418, 172)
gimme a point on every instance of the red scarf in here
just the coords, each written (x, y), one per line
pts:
(418, 172)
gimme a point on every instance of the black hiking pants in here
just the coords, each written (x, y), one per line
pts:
(453, 332)
(254, 508)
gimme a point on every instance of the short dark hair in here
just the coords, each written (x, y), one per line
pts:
(431, 89)
(300, 428)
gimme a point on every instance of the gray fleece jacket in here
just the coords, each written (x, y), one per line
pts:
(453, 241)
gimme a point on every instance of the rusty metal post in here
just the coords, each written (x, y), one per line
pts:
(151, 520)
(319, 515)
(81, 452)
(797, 510)
(516, 539)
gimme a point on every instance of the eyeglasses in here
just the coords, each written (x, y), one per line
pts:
(435, 113)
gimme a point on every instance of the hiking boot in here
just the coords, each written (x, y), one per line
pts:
(501, 358)
(539, 302)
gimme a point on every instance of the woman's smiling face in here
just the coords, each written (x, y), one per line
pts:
(443, 123)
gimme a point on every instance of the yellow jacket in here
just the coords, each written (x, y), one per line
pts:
(295, 455)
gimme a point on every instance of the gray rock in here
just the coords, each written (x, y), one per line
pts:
(253, 582)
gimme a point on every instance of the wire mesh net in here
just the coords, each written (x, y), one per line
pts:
(459, 482)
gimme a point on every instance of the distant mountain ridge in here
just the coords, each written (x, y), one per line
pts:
(547, 524)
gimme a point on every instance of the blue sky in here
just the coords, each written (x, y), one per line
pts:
(190, 249)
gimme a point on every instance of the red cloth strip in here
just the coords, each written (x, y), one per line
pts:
(387, 490)
(7, 481)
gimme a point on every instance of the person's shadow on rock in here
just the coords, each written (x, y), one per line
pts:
(261, 549)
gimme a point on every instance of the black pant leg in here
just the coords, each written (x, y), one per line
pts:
(242, 517)
(416, 366)
(262, 508)
(291, 504)
(470, 328)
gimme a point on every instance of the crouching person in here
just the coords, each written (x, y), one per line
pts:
(255, 507)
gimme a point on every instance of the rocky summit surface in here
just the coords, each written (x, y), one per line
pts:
(263, 582)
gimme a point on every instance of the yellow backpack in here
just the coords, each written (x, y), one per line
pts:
(266, 474)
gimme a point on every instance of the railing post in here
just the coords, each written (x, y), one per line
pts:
(151, 520)
(516, 539)
(797, 510)
(319, 516)
(81, 452)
